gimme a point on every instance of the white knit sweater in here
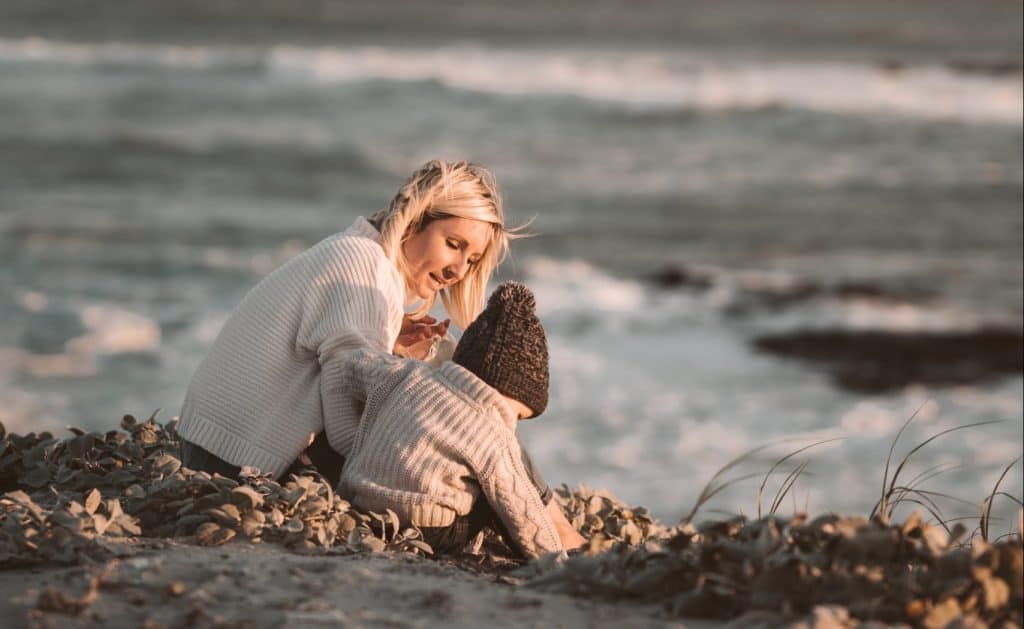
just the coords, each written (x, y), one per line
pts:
(428, 441)
(257, 397)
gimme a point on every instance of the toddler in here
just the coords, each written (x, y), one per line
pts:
(438, 446)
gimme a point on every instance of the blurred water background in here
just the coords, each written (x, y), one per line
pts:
(701, 176)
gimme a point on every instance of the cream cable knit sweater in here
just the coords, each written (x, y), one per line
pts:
(257, 396)
(429, 441)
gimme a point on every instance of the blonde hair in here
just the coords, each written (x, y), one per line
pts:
(440, 190)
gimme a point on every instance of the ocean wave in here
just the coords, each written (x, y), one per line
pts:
(63, 339)
(130, 54)
(114, 330)
(655, 413)
(580, 298)
(640, 80)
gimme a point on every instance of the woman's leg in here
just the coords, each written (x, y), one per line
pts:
(202, 460)
(321, 456)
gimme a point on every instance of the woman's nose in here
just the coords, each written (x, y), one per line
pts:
(457, 270)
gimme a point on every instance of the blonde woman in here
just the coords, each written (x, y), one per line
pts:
(267, 385)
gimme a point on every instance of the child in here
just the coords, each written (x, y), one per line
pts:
(438, 447)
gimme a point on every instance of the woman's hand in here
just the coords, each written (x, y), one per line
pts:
(417, 336)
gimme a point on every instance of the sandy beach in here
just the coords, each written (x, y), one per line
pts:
(111, 530)
(169, 584)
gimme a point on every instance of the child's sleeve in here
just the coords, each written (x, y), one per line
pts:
(347, 376)
(350, 320)
(511, 493)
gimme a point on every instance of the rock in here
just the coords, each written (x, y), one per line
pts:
(677, 276)
(875, 362)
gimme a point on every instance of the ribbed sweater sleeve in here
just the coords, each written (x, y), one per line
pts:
(259, 394)
(349, 300)
(513, 496)
(349, 376)
(353, 312)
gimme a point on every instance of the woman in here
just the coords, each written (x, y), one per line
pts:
(264, 390)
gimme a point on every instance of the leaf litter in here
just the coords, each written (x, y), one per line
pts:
(65, 499)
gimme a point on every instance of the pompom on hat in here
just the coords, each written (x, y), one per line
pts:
(506, 348)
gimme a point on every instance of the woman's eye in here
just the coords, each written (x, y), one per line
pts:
(453, 244)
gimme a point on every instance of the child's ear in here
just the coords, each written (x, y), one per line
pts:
(522, 411)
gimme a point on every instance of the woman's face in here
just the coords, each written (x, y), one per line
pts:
(441, 254)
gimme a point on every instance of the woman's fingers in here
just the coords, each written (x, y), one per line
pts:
(408, 322)
(419, 331)
(422, 333)
(416, 337)
(413, 337)
(412, 326)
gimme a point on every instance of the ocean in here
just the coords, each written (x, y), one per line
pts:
(698, 180)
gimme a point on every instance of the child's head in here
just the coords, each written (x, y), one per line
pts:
(506, 348)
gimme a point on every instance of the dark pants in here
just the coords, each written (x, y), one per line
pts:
(454, 537)
(319, 456)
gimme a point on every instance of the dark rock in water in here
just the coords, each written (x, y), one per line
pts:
(752, 297)
(1004, 67)
(855, 290)
(901, 292)
(775, 298)
(680, 277)
(892, 65)
(874, 362)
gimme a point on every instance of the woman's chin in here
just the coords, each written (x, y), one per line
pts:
(412, 295)
(425, 293)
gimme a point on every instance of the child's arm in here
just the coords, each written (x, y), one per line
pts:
(511, 492)
(346, 379)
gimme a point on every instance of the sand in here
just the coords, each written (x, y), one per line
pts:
(161, 583)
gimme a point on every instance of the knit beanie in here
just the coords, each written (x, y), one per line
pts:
(506, 348)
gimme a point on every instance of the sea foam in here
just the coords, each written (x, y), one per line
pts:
(646, 80)
(657, 390)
